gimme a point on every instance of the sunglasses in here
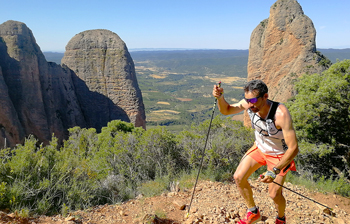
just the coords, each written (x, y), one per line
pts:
(252, 100)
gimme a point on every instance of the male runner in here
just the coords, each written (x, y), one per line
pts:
(275, 145)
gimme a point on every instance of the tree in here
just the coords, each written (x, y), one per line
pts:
(321, 114)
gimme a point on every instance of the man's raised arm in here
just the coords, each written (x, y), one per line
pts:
(224, 107)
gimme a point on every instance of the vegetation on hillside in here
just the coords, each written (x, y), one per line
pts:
(112, 166)
(321, 114)
(122, 161)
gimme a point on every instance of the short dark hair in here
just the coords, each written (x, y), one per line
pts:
(258, 85)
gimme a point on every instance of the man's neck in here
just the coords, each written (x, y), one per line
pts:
(265, 109)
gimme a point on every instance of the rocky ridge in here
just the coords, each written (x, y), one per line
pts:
(42, 98)
(214, 202)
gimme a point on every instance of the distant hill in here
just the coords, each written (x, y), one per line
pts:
(199, 56)
(225, 62)
(53, 56)
(334, 54)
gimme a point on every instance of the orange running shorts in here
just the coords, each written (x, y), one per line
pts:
(269, 160)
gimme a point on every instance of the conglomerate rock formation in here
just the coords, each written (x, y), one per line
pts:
(282, 48)
(101, 59)
(42, 98)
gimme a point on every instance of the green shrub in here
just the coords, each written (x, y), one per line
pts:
(155, 187)
(227, 143)
(122, 161)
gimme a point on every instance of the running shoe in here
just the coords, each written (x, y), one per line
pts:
(279, 221)
(251, 218)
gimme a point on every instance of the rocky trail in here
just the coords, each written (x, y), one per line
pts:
(214, 202)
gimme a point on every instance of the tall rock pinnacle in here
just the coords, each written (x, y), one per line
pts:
(282, 48)
(37, 97)
(43, 99)
(101, 59)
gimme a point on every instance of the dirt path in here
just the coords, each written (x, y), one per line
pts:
(213, 202)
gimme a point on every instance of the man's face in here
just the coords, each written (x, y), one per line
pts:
(254, 100)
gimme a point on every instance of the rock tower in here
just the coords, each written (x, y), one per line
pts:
(282, 48)
(101, 59)
(42, 98)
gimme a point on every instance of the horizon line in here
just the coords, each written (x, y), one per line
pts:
(186, 49)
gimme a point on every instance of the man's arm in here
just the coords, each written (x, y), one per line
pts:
(224, 107)
(284, 121)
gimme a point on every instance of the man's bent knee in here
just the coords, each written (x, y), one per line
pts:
(239, 178)
(275, 194)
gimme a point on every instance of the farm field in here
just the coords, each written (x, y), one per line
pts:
(177, 95)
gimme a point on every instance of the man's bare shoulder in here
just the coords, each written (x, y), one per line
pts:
(282, 116)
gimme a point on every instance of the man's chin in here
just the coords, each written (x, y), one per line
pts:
(254, 110)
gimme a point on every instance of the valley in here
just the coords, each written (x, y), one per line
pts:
(176, 85)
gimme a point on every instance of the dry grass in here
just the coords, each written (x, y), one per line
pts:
(163, 103)
(184, 99)
(224, 79)
(161, 76)
(161, 115)
(166, 112)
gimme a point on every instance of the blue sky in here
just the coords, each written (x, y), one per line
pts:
(195, 24)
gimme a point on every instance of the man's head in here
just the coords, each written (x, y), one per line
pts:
(257, 86)
(255, 94)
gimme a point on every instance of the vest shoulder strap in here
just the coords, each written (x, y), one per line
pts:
(272, 110)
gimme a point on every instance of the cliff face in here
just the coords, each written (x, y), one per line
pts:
(283, 48)
(40, 98)
(25, 72)
(101, 59)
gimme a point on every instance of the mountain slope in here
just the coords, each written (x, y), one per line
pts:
(214, 202)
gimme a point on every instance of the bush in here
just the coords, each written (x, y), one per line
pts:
(227, 143)
(121, 162)
(319, 111)
(155, 187)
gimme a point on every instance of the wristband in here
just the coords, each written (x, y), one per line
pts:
(270, 174)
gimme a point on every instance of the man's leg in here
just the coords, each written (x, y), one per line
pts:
(246, 168)
(275, 193)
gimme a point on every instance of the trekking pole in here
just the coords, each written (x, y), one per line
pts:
(329, 209)
(203, 152)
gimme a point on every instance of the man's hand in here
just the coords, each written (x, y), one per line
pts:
(218, 91)
(267, 177)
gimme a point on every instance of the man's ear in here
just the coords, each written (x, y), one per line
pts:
(266, 95)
